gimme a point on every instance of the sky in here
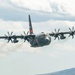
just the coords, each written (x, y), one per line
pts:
(46, 15)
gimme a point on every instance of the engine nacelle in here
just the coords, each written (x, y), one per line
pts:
(15, 41)
(62, 37)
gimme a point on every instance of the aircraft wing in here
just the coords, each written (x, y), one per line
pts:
(3, 37)
(15, 37)
(58, 34)
(12, 37)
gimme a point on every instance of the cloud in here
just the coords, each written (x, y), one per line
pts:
(63, 6)
(11, 25)
(62, 47)
(56, 54)
(47, 10)
(47, 5)
(59, 49)
(42, 5)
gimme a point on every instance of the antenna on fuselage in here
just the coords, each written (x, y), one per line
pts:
(30, 26)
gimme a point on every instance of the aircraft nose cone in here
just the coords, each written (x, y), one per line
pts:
(48, 41)
(47, 38)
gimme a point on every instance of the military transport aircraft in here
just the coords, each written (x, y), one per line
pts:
(39, 40)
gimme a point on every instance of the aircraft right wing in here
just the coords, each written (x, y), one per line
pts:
(13, 38)
(56, 34)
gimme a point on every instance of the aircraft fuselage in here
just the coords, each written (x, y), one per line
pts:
(40, 40)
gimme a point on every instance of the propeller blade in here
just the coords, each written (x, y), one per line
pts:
(73, 28)
(55, 38)
(72, 36)
(58, 38)
(8, 41)
(55, 30)
(24, 40)
(24, 33)
(52, 32)
(8, 37)
(11, 40)
(72, 32)
(69, 35)
(56, 34)
(70, 29)
(58, 30)
(27, 32)
(11, 33)
(8, 33)
(5, 35)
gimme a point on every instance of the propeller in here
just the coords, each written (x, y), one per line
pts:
(56, 34)
(8, 37)
(27, 36)
(24, 36)
(72, 32)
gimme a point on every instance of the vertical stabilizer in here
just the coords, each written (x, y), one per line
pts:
(30, 26)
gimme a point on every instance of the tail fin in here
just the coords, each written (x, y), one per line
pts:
(30, 26)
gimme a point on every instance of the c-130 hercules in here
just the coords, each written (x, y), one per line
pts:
(39, 40)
